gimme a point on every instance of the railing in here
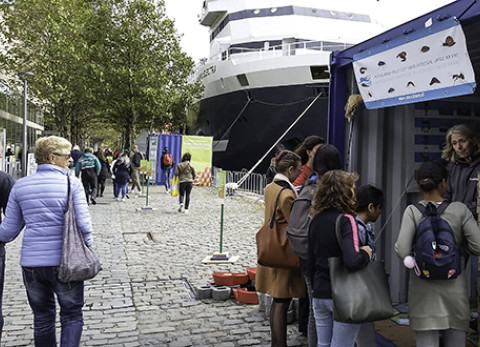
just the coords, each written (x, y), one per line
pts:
(254, 184)
(285, 49)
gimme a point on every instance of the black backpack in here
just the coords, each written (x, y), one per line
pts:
(297, 230)
(136, 159)
(435, 250)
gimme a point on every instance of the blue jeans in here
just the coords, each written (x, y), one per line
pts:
(121, 188)
(330, 332)
(166, 176)
(41, 283)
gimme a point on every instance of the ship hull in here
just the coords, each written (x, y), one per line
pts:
(245, 124)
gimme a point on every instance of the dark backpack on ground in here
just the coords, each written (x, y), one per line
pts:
(297, 230)
(168, 159)
(435, 250)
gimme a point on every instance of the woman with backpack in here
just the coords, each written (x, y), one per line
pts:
(166, 164)
(436, 305)
(327, 158)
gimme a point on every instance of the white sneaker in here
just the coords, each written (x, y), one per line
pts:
(118, 199)
(186, 211)
(180, 209)
(123, 200)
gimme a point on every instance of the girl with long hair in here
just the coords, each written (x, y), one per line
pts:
(335, 196)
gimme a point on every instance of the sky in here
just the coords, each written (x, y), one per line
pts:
(195, 37)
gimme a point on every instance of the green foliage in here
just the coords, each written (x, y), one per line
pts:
(110, 64)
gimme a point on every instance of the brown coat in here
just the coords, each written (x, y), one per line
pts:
(276, 282)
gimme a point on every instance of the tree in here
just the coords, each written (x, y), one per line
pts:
(100, 63)
(45, 37)
(147, 70)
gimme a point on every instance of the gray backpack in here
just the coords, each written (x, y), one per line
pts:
(297, 230)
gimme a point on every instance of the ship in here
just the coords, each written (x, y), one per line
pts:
(269, 69)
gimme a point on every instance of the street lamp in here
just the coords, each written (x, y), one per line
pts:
(23, 76)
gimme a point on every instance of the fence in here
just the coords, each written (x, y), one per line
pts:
(255, 183)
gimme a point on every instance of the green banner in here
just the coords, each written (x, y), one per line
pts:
(200, 147)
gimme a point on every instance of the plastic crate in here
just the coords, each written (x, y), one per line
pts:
(245, 296)
(229, 278)
(252, 271)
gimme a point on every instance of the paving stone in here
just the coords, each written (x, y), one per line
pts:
(141, 297)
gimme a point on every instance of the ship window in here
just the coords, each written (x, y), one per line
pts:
(319, 72)
(243, 80)
(273, 9)
(257, 11)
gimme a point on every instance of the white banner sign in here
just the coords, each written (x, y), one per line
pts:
(431, 63)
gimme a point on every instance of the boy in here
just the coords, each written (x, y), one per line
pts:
(369, 207)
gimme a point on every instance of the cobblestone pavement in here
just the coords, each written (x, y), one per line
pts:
(151, 261)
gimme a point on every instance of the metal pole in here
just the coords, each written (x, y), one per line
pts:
(24, 130)
(23, 76)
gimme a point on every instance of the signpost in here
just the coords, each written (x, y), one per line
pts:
(146, 171)
(221, 257)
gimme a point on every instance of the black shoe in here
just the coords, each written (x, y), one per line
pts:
(94, 202)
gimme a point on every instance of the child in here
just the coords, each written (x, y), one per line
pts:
(369, 207)
(438, 305)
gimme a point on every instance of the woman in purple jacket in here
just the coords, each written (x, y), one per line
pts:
(38, 202)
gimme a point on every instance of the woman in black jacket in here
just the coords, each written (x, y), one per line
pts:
(122, 171)
(335, 195)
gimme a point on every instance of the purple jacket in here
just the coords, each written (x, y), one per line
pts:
(39, 202)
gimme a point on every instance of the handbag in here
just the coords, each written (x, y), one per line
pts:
(174, 186)
(79, 262)
(358, 296)
(273, 248)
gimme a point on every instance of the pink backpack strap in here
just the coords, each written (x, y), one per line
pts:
(356, 244)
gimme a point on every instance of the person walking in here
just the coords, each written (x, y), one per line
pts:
(281, 284)
(334, 197)
(186, 174)
(166, 164)
(104, 172)
(438, 305)
(122, 169)
(38, 202)
(90, 167)
(135, 158)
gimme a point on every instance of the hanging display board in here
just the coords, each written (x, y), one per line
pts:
(427, 64)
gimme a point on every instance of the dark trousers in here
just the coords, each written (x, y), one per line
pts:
(41, 284)
(185, 189)
(90, 184)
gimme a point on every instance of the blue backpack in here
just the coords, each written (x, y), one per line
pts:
(435, 250)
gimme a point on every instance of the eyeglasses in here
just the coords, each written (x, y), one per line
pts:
(62, 155)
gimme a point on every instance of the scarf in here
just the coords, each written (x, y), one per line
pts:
(282, 177)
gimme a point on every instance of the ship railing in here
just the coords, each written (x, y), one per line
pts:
(285, 49)
(254, 184)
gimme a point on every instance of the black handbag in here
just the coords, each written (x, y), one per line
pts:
(358, 296)
(79, 262)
